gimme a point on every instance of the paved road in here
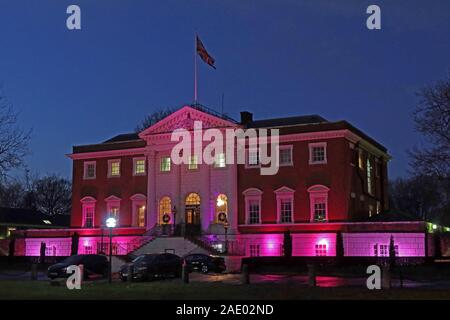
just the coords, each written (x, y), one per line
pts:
(235, 279)
(322, 281)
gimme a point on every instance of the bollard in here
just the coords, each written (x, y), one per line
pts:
(185, 273)
(245, 276)
(130, 270)
(34, 271)
(386, 277)
(311, 276)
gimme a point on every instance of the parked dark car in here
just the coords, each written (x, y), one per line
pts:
(94, 264)
(152, 266)
(205, 263)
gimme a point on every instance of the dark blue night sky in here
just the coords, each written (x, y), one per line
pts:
(275, 58)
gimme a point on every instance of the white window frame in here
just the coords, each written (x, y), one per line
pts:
(318, 192)
(284, 193)
(369, 176)
(311, 147)
(192, 161)
(113, 202)
(291, 151)
(161, 163)
(110, 162)
(247, 158)
(135, 160)
(252, 194)
(85, 170)
(138, 200)
(87, 203)
(218, 160)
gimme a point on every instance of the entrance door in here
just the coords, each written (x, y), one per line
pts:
(192, 218)
(192, 214)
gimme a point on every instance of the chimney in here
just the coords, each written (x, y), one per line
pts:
(246, 117)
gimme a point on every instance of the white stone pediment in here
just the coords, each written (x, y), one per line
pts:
(184, 118)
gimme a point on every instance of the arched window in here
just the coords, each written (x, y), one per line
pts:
(318, 203)
(221, 208)
(193, 199)
(165, 211)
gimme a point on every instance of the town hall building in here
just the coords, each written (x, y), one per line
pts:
(332, 178)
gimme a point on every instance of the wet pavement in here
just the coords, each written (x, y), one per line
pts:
(235, 279)
(322, 281)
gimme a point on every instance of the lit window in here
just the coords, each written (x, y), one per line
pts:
(285, 155)
(193, 163)
(318, 153)
(114, 212)
(141, 216)
(89, 170)
(370, 210)
(254, 250)
(321, 249)
(219, 161)
(253, 157)
(221, 208)
(165, 164)
(139, 167)
(369, 177)
(114, 168)
(360, 159)
(165, 211)
(378, 207)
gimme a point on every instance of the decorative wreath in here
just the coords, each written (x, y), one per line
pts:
(166, 218)
(222, 216)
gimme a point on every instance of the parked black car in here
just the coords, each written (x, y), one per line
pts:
(94, 264)
(205, 263)
(152, 266)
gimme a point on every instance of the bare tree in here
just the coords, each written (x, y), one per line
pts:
(422, 196)
(52, 195)
(153, 118)
(432, 119)
(11, 194)
(13, 140)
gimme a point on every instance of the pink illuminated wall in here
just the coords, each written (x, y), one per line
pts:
(314, 244)
(86, 245)
(364, 244)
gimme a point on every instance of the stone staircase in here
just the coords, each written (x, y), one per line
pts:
(178, 245)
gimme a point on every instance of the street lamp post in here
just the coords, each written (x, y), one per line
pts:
(110, 224)
(225, 226)
(174, 213)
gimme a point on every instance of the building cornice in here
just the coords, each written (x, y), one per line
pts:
(106, 154)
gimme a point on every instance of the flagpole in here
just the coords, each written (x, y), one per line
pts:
(195, 71)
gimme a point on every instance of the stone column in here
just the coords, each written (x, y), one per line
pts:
(152, 213)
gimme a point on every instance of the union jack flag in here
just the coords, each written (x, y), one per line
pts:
(204, 54)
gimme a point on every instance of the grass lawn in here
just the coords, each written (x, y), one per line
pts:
(175, 289)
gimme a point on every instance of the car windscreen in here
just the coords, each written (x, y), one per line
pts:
(138, 259)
